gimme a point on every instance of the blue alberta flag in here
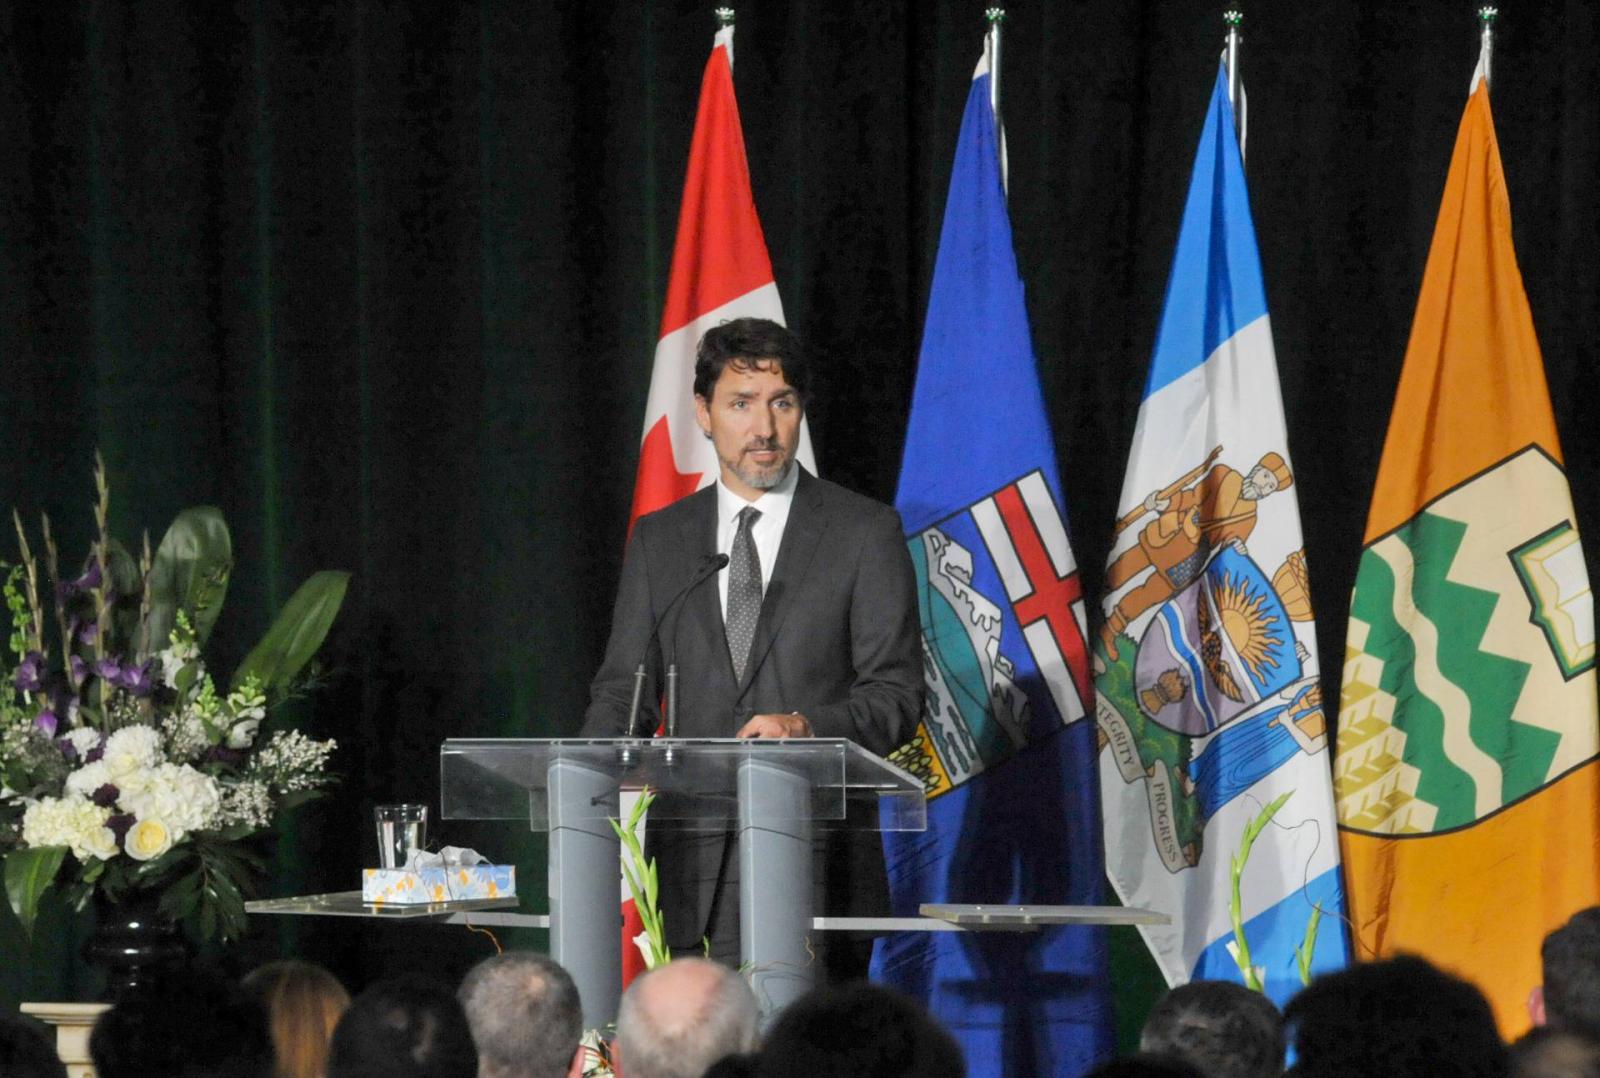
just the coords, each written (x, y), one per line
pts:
(1004, 750)
(1218, 799)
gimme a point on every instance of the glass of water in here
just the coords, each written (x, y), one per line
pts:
(401, 829)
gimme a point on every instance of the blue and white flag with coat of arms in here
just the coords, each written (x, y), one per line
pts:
(1004, 748)
(1214, 766)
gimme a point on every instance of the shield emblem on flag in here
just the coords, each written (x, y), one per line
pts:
(1003, 649)
(1216, 649)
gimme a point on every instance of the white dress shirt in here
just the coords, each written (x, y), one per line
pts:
(766, 532)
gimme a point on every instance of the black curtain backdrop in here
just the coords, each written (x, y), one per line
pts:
(382, 281)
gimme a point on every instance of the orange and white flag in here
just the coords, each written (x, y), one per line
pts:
(1465, 768)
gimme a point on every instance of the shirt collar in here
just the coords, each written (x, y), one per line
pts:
(772, 502)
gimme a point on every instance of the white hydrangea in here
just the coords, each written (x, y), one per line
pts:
(89, 778)
(132, 748)
(72, 822)
(182, 798)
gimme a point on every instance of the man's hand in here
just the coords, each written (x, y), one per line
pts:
(793, 724)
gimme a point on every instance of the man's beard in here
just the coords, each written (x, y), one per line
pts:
(759, 478)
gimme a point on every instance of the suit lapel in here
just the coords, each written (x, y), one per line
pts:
(807, 522)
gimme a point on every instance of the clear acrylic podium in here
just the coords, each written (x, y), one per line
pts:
(774, 794)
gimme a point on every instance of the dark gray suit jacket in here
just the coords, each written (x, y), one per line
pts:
(837, 641)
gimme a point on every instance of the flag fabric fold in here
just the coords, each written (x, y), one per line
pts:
(1004, 753)
(720, 271)
(1214, 769)
(1465, 769)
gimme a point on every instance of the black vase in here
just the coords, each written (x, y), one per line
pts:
(132, 940)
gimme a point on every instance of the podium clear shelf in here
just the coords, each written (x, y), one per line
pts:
(350, 904)
(507, 779)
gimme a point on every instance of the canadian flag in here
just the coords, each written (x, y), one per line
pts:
(720, 271)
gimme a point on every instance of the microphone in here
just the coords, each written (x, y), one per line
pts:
(709, 566)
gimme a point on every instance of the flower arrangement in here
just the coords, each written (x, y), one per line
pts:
(124, 767)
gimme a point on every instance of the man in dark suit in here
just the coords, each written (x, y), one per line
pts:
(811, 630)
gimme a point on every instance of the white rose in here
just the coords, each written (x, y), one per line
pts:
(98, 841)
(147, 839)
(131, 748)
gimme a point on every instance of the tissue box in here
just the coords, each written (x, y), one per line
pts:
(414, 887)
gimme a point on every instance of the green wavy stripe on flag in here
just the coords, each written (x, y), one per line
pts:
(1491, 683)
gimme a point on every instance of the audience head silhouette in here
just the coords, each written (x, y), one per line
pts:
(1223, 1028)
(403, 1027)
(1401, 1018)
(858, 1030)
(1571, 958)
(679, 1019)
(185, 1022)
(26, 1051)
(1553, 1052)
(525, 1016)
(304, 1003)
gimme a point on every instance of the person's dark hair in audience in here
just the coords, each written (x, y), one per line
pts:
(680, 1018)
(187, 1022)
(525, 1016)
(858, 1029)
(742, 1066)
(1553, 1052)
(1571, 990)
(304, 1003)
(403, 1027)
(26, 1050)
(1148, 1065)
(1223, 1028)
(1402, 1017)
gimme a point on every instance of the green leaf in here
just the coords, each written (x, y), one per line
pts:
(29, 874)
(189, 572)
(301, 627)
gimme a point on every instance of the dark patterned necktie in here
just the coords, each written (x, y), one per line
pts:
(744, 591)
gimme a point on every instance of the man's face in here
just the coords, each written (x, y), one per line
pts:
(1259, 483)
(753, 421)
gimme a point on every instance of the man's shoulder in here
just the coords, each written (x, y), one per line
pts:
(842, 503)
(682, 515)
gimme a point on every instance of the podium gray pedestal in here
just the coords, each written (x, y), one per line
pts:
(585, 932)
(785, 791)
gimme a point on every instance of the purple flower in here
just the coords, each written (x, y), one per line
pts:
(77, 672)
(96, 753)
(90, 578)
(109, 671)
(30, 673)
(224, 755)
(120, 823)
(137, 680)
(45, 722)
(106, 795)
(85, 632)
